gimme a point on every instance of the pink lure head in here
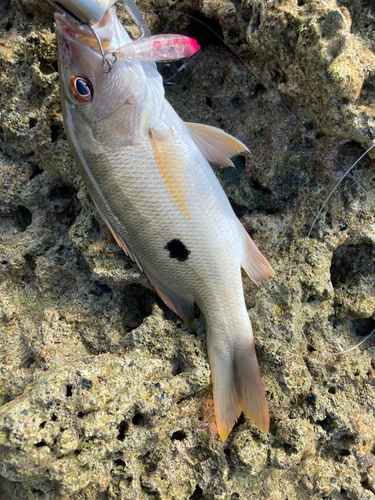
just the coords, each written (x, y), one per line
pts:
(159, 48)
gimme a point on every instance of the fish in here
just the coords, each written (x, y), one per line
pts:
(149, 176)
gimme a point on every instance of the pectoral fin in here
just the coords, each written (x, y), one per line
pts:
(254, 263)
(216, 146)
(172, 166)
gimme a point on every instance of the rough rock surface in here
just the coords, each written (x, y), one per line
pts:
(105, 394)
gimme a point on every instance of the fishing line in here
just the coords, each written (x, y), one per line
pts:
(188, 61)
(347, 172)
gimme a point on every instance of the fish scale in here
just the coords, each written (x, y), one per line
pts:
(147, 172)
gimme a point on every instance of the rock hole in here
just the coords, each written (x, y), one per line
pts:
(332, 390)
(123, 428)
(177, 366)
(56, 131)
(28, 275)
(258, 187)
(23, 218)
(197, 29)
(208, 102)
(47, 69)
(32, 122)
(178, 436)
(35, 171)
(119, 463)
(239, 210)
(81, 414)
(69, 391)
(100, 289)
(240, 421)
(42, 425)
(350, 262)
(77, 452)
(343, 453)
(235, 496)
(289, 449)
(53, 418)
(40, 444)
(326, 424)
(363, 327)
(311, 399)
(197, 493)
(40, 493)
(30, 360)
(139, 419)
(368, 89)
(255, 21)
(138, 304)
(349, 154)
(301, 3)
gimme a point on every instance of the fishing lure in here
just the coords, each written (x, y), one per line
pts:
(148, 175)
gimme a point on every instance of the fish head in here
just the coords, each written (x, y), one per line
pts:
(89, 95)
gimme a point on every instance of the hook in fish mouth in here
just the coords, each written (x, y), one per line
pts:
(80, 33)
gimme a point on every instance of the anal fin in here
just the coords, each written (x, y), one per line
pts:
(216, 145)
(183, 307)
(254, 263)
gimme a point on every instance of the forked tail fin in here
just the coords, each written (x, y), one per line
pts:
(237, 386)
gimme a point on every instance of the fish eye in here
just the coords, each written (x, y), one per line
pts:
(80, 88)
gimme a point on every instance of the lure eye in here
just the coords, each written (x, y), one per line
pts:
(80, 88)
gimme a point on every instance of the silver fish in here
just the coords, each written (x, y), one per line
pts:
(148, 175)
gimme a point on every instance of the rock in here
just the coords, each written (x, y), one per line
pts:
(104, 392)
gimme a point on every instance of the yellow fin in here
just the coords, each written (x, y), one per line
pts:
(217, 146)
(172, 166)
(249, 387)
(254, 263)
(237, 386)
(118, 238)
(183, 307)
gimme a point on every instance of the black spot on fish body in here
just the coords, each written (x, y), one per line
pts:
(177, 250)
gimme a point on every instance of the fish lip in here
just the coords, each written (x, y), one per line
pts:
(69, 27)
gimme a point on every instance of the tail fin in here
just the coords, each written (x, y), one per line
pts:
(237, 386)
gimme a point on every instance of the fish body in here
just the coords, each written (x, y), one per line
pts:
(148, 175)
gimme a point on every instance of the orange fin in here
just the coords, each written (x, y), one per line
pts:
(249, 387)
(237, 386)
(217, 146)
(118, 238)
(172, 166)
(254, 263)
(183, 307)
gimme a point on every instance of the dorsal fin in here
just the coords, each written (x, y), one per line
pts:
(254, 263)
(217, 146)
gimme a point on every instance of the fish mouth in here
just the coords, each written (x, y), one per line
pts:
(82, 34)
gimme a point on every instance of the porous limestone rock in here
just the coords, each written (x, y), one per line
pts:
(104, 393)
